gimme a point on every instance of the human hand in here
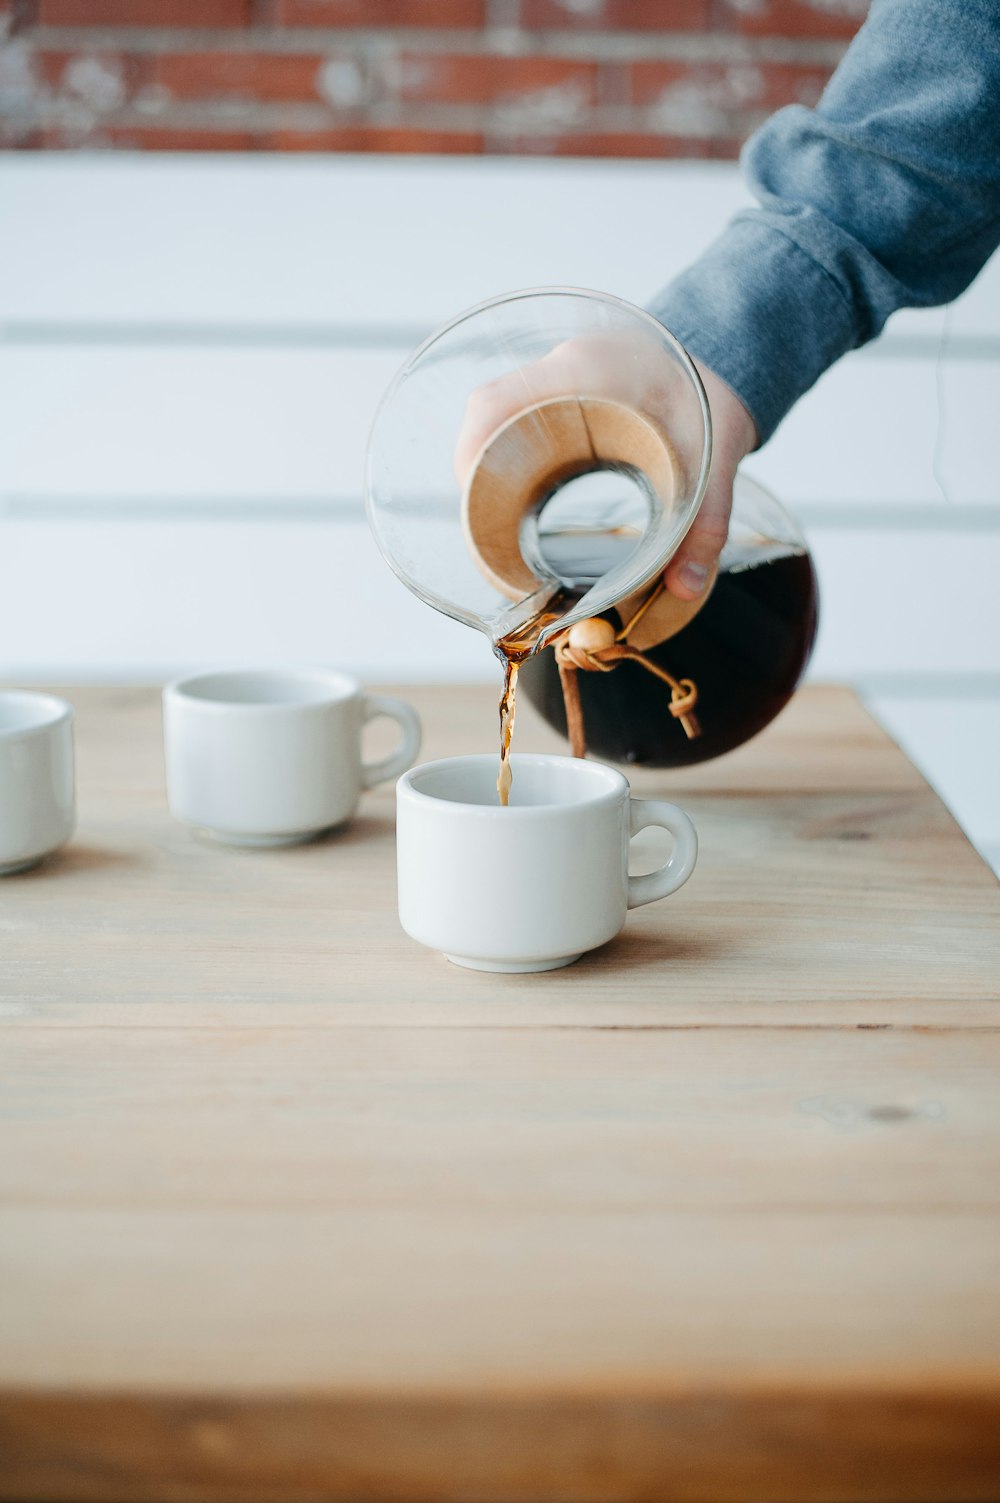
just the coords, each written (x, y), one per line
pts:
(631, 372)
(733, 437)
(611, 366)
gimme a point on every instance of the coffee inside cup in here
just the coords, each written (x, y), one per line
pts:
(541, 782)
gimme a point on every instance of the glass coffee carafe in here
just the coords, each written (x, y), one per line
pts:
(531, 471)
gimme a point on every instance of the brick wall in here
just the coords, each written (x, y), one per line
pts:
(635, 78)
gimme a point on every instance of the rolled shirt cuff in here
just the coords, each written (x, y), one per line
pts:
(762, 314)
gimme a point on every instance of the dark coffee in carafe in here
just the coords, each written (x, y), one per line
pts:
(744, 652)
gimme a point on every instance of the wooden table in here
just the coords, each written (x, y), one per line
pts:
(294, 1210)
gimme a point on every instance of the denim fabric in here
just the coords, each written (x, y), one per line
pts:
(887, 195)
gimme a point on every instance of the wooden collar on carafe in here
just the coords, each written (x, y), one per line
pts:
(526, 460)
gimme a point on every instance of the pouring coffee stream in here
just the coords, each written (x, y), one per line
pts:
(591, 645)
(520, 469)
(570, 591)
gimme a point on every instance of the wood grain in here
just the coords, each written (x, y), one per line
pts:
(538, 449)
(291, 1209)
(853, 899)
(590, 1119)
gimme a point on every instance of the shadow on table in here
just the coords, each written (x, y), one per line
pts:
(72, 859)
(637, 952)
(361, 830)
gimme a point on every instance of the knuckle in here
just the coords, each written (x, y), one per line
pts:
(707, 538)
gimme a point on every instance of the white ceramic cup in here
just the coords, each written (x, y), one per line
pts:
(270, 757)
(533, 886)
(37, 800)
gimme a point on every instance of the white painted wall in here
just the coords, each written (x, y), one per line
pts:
(192, 348)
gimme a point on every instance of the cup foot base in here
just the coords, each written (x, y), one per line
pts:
(11, 868)
(265, 842)
(512, 967)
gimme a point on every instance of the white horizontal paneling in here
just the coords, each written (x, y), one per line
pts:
(99, 599)
(890, 429)
(123, 422)
(337, 240)
(132, 423)
(277, 240)
(92, 599)
(907, 602)
(968, 408)
(137, 601)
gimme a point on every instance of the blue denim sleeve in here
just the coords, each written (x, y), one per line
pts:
(887, 195)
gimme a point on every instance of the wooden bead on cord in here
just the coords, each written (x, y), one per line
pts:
(524, 462)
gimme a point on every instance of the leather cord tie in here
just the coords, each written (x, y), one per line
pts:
(594, 646)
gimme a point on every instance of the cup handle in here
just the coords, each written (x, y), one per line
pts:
(405, 753)
(644, 812)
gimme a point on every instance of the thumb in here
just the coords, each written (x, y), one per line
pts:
(694, 563)
(734, 435)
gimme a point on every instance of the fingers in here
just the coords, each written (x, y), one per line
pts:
(597, 366)
(693, 567)
(487, 408)
(694, 564)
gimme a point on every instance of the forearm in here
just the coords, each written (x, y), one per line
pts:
(885, 196)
